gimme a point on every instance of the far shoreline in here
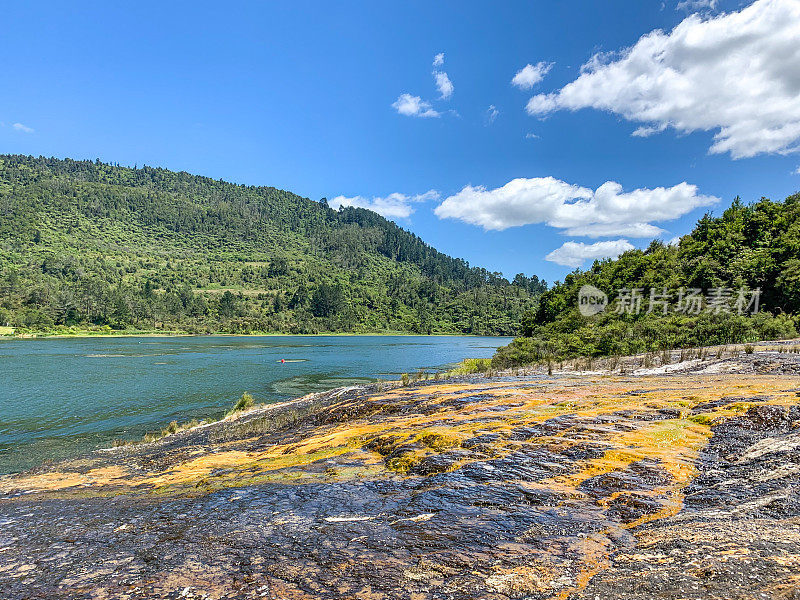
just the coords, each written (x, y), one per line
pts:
(177, 334)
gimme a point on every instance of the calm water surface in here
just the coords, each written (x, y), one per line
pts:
(62, 397)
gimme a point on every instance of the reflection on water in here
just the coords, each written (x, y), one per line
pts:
(59, 398)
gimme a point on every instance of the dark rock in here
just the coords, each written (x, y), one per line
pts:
(640, 475)
(629, 507)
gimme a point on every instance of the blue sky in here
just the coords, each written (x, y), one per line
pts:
(300, 96)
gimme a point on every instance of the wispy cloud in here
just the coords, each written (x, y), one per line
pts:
(532, 136)
(393, 206)
(737, 74)
(529, 75)
(491, 114)
(22, 128)
(575, 254)
(414, 106)
(443, 84)
(694, 5)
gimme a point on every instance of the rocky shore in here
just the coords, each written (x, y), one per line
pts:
(681, 483)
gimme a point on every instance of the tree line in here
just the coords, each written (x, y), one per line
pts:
(750, 250)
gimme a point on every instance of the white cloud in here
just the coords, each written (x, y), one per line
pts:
(634, 230)
(426, 196)
(531, 136)
(414, 106)
(574, 254)
(737, 74)
(393, 206)
(529, 75)
(647, 131)
(443, 84)
(22, 128)
(691, 5)
(576, 210)
(491, 114)
(797, 171)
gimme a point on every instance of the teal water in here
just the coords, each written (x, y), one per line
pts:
(63, 397)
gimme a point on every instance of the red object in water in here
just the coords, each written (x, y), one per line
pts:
(283, 360)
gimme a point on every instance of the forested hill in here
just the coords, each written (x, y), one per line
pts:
(87, 244)
(747, 248)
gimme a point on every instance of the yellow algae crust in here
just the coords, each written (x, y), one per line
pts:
(437, 418)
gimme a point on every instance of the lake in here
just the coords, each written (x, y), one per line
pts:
(63, 397)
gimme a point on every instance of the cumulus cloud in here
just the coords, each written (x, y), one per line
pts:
(577, 211)
(737, 74)
(692, 5)
(22, 128)
(443, 84)
(574, 254)
(393, 206)
(438, 60)
(414, 106)
(491, 114)
(529, 75)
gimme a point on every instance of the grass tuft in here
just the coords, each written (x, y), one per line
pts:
(243, 403)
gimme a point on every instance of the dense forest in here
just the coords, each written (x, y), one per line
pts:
(88, 245)
(726, 258)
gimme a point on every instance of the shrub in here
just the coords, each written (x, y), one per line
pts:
(473, 365)
(243, 403)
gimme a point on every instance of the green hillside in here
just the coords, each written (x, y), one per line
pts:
(85, 245)
(748, 247)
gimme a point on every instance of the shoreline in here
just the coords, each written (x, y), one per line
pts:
(630, 366)
(176, 334)
(633, 367)
(411, 354)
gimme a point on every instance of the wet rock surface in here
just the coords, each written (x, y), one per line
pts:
(738, 534)
(539, 487)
